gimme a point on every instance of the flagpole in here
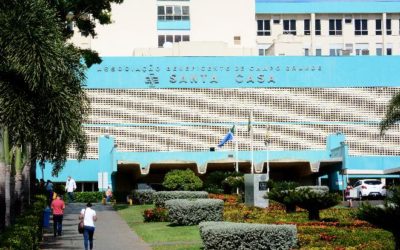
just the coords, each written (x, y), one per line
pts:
(236, 150)
(251, 141)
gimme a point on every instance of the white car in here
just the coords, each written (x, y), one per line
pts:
(369, 188)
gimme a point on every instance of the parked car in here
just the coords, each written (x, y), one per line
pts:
(369, 188)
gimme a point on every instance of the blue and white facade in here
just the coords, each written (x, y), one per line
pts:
(159, 104)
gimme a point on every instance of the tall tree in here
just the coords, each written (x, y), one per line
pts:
(42, 100)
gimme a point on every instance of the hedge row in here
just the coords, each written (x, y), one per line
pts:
(192, 212)
(26, 232)
(161, 197)
(143, 196)
(86, 197)
(229, 235)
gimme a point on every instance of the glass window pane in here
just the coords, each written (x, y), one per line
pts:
(177, 10)
(170, 38)
(169, 10)
(178, 38)
(260, 25)
(161, 10)
(185, 10)
(161, 40)
(186, 38)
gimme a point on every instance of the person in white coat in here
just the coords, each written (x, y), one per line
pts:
(70, 187)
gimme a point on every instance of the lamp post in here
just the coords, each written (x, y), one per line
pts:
(266, 142)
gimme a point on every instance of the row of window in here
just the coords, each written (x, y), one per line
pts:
(335, 27)
(173, 12)
(162, 39)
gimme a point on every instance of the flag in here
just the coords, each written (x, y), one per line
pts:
(228, 137)
(249, 125)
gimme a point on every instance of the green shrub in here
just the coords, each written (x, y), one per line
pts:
(284, 193)
(228, 235)
(161, 197)
(157, 214)
(86, 197)
(192, 212)
(184, 180)
(26, 232)
(387, 216)
(314, 199)
(219, 182)
(143, 196)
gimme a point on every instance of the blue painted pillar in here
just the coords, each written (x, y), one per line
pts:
(106, 158)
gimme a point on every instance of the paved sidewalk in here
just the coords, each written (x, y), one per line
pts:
(111, 231)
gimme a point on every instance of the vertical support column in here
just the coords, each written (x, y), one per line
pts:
(384, 34)
(106, 164)
(312, 27)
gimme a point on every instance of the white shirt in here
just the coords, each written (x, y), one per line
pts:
(89, 214)
(70, 185)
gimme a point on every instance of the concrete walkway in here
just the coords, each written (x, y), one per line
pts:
(111, 231)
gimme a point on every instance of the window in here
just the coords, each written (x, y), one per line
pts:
(378, 27)
(236, 40)
(379, 49)
(307, 29)
(263, 49)
(263, 27)
(162, 39)
(318, 27)
(388, 26)
(173, 12)
(335, 49)
(306, 51)
(361, 27)
(362, 49)
(335, 27)
(318, 52)
(289, 27)
(389, 49)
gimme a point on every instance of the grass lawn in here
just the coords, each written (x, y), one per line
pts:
(160, 235)
(338, 230)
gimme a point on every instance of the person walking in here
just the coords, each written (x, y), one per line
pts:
(88, 215)
(58, 207)
(108, 194)
(70, 187)
(49, 189)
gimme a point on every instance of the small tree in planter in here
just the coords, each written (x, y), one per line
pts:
(284, 193)
(386, 217)
(184, 180)
(314, 199)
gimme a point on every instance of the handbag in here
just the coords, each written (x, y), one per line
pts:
(81, 225)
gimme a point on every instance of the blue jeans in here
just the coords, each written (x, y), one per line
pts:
(88, 237)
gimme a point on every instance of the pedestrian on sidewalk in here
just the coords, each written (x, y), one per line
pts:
(49, 189)
(108, 194)
(88, 215)
(70, 187)
(58, 207)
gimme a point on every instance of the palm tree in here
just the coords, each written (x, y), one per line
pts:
(42, 101)
(392, 114)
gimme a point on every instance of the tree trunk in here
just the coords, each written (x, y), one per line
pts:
(7, 193)
(18, 181)
(2, 193)
(313, 214)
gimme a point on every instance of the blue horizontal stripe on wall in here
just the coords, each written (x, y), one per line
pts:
(264, 7)
(173, 25)
(245, 72)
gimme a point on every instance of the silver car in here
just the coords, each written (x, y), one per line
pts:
(369, 188)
